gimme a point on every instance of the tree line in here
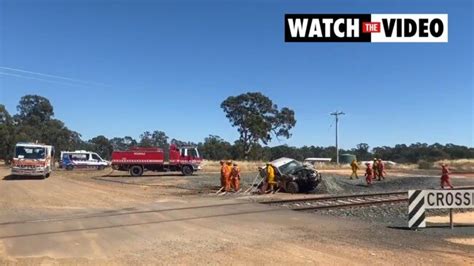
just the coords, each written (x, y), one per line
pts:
(34, 121)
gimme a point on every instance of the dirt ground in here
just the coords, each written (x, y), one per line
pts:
(104, 217)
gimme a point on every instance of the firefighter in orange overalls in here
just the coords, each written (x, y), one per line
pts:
(227, 175)
(235, 177)
(445, 176)
(380, 170)
(222, 173)
(369, 174)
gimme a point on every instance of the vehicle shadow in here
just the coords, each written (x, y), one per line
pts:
(18, 177)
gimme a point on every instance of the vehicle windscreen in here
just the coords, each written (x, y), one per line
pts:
(193, 153)
(30, 152)
(290, 167)
(96, 157)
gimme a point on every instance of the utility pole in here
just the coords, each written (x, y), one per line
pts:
(337, 114)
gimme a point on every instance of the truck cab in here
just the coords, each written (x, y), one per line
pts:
(32, 159)
(189, 155)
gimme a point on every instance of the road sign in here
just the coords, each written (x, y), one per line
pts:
(420, 200)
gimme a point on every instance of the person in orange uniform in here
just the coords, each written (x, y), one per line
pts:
(354, 167)
(235, 177)
(369, 174)
(445, 176)
(222, 173)
(227, 175)
(380, 170)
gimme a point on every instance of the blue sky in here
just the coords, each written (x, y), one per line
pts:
(168, 65)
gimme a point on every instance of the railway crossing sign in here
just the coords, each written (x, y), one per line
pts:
(420, 200)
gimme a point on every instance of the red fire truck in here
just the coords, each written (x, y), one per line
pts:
(136, 160)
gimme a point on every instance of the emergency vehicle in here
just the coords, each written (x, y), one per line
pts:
(33, 159)
(81, 160)
(136, 160)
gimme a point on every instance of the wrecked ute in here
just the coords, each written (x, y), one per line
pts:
(293, 176)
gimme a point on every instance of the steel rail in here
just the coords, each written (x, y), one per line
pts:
(327, 198)
(343, 201)
(352, 204)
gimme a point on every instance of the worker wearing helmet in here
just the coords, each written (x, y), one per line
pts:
(354, 167)
(380, 169)
(227, 175)
(445, 176)
(235, 177)
(369, 174)
(374, 168)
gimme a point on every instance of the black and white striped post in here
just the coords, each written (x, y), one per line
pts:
(416, 209)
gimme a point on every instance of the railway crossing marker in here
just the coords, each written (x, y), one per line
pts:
(420, 200)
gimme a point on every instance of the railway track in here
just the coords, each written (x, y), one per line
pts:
(344, 201)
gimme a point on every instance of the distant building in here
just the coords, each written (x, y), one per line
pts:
(317, 160)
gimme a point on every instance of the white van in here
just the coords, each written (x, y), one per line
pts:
(82, 159)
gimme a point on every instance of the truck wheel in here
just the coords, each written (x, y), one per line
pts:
(292, 187)
(47, 175)
(136, 170)
(69, 167)
(100, 167)
(187, 170)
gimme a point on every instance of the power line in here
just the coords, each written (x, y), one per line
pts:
(45, 80)
(336, 115)
(84, 82)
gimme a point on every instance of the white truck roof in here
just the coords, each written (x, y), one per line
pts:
(30, 144)
(81, 151)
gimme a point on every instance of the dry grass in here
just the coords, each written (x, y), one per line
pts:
(402, 166)
(460, 165)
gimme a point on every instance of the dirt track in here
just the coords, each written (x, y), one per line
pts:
(74, 218)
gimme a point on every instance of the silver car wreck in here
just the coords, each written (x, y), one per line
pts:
(293, 176)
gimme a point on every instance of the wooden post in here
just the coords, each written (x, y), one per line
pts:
(451, 219)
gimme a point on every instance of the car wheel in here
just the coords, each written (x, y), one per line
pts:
(136, 170)
(69, 167)
(100, 167)
(187, 170)
(292, 187)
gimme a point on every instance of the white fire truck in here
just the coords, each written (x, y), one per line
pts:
(33, 159)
